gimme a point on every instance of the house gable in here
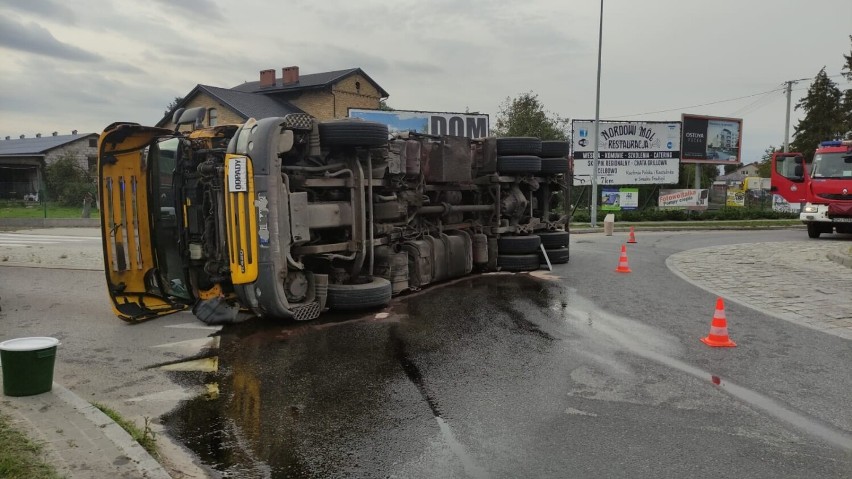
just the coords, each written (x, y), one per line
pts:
(324, 96)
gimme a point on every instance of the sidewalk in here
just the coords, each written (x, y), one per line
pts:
(80, 440)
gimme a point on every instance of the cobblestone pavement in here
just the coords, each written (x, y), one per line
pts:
(798, 281)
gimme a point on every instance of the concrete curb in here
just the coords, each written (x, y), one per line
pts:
(841, 256)
(148, 466)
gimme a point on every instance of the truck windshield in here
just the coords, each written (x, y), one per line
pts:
(162, 157)
(832, 165)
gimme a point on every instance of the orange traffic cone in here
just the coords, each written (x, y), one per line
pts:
(631, 238)
(622, 261)
(718, 337)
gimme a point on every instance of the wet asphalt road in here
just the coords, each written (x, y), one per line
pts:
(578, 373)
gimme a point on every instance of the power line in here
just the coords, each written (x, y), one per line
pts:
(779, 88)
(762, 100)
(703, 104)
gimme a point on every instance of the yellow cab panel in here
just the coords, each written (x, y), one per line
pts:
(133, 272)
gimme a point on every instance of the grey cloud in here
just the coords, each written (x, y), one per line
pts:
(43, 8)
(34, 38)
(203, 8)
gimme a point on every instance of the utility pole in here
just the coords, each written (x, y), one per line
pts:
(594, 211)
(790, 84)
(787, 120)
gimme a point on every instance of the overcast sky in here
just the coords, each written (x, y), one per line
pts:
(85, 64)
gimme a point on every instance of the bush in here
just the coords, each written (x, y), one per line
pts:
(67, 182)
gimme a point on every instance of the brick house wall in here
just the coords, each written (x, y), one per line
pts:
(84, 150)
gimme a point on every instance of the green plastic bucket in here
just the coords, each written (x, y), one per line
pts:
(28, 365)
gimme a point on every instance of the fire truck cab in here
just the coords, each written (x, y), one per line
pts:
(823, 187)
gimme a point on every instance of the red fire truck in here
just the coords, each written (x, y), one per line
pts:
(823, 187)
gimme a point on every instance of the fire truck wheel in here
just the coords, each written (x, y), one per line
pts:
(556, 256)
(554, 239)
(554, 149)
(518, 262)
(353, 133)
(518, 244)
(554, 166)
(518, 145)
(518, 164)
(813, 230)
(372, 294)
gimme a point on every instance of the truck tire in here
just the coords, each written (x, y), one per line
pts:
(518, 145)
(353, 133)
(518, 164)
(554, 239)
(518, 262)
(813, 230)
(348, 297)
(556, 255)
(554, 166)
(518, 244)
(554, 149)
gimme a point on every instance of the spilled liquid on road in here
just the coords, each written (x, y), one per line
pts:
(346, 395)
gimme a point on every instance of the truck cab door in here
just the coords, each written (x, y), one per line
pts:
(132, 173)
(788, 177)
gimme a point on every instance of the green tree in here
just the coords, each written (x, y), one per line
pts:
(764, 168)
(823, 115)
(526, 116)
(68, 182)
(847, 96)
(173, 105)
(732, 168)
(383, 105)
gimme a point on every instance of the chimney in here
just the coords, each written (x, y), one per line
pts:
(267, 78)
(55, 133)
(290, 75)
(73, 132)
(38, 135)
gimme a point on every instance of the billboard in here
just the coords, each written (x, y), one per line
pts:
(629, 152)
(684, 198)
(471, 125)
(710, 139)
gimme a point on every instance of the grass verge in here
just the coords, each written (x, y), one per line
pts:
(20, 457)
(8, 210)
(144, 436)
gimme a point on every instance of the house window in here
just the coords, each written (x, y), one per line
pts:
(212, 117)
(93, 142)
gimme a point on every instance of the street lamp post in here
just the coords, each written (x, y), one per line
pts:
(594, 212)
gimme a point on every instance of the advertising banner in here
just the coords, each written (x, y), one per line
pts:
(672, 199)
(629, 198)
(610, 199)
(433, 123)
(617, 199)
(708, 139)
(736, 197)
(629, 152)
(782, 205)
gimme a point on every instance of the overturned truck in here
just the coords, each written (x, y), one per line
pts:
(288, 217)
